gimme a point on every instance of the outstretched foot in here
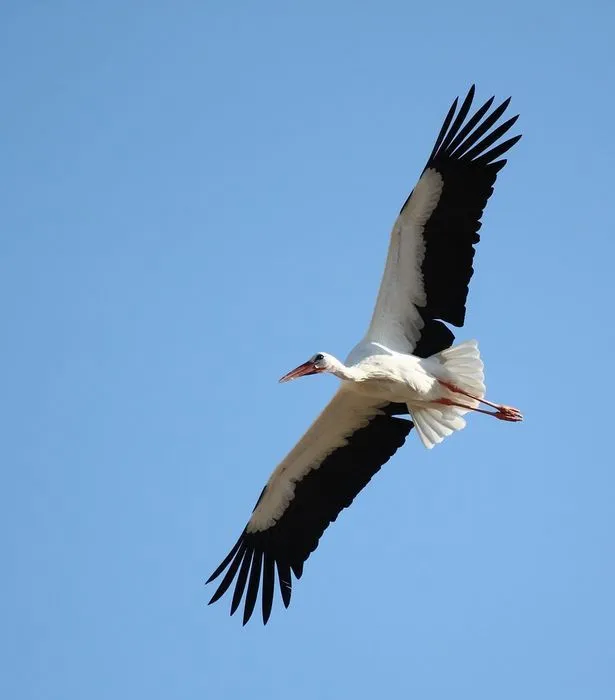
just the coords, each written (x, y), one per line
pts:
(508, 413)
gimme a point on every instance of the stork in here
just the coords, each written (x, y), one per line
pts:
(405, 364)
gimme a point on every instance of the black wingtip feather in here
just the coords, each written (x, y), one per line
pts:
(226, 561)
(496, 152)
(447, 120)
(268, 586)
(285, 582)
(490, 139)
(229, 576)
(253, 585)
(459, 119)
(241, 580)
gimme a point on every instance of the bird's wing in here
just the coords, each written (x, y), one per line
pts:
(341, 451)
(429, 263)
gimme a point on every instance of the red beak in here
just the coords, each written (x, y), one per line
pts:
(301, 371)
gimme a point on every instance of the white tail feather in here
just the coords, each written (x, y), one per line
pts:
(464, 368)
(434, 424)
(461, 367)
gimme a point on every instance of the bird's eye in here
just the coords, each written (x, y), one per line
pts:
(319, 358)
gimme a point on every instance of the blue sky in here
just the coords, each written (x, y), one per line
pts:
(196, 197)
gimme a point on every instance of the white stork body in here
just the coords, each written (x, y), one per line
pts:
(393, 376)
(406, 363)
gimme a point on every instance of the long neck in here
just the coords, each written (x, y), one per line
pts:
(339, 369)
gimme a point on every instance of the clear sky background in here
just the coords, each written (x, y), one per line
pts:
(196, 196)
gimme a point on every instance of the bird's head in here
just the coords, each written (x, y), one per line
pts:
(320, 362)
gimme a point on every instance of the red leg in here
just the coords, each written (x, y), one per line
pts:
(508, 413)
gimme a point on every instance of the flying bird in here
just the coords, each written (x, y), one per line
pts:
(405, 364)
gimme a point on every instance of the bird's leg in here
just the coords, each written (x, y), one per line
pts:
(502, 412)
(495, 414)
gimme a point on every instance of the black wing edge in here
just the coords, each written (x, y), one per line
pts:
(319, 498)
(467, 154)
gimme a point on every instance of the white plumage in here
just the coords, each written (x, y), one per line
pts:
(396, 321)
(405, 364)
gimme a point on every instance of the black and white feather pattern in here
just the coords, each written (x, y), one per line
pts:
(426, 278)
(323, 488)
